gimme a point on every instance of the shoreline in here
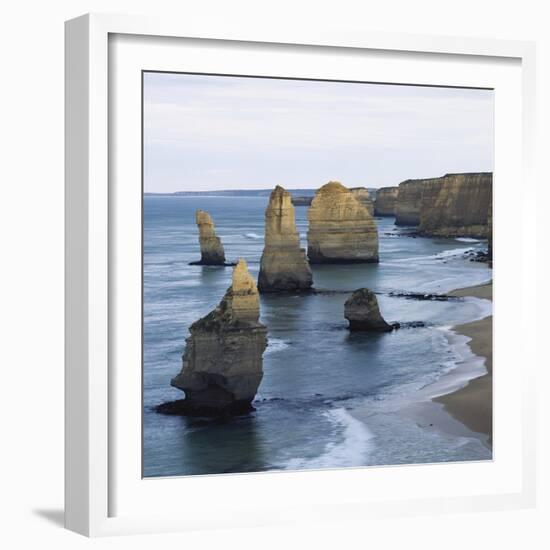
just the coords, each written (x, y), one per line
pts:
(460, 402)
(472, 404)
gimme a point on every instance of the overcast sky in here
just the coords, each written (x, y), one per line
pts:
(217, 132)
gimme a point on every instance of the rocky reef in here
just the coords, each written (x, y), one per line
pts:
(341, 230)
(362, 311)
(456, 205)
(212, 252)
(386, 201)
(362, 193)
(222, 363)
(409, 202)
(284, 265)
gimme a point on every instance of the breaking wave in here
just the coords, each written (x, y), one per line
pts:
(350, 451)
(467, 240)
(444, 255)
(274, 345)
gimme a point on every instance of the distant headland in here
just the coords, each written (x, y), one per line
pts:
(243, 192)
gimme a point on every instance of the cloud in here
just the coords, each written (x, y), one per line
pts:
(248, 132)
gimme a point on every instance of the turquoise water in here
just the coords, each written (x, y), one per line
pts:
(315, 372)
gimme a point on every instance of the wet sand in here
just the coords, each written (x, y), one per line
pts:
(472, 405)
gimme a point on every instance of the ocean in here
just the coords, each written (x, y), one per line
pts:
(317, 375)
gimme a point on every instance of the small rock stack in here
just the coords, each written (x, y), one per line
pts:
(212, 252)
(362, 311)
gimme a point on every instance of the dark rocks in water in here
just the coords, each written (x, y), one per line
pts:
(222, 364)
(225, 264)
(183, 407)
(478, 256)
(362, 312)
(409, 324)
(329, 292)
(212, 252)
(423, 296)
(284, 265)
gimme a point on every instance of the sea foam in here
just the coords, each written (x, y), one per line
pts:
(274, 345)
(350, 451)
(443, 255)
(467, 240)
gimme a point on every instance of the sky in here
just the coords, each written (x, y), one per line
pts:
(205, 132)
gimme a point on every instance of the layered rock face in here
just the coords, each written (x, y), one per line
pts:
(409, 201)
(222, 363)
(362, 194)
(284, 265)
(456, 205)
(386, 201)
(362, 311)
(212, 252)
(341, 230)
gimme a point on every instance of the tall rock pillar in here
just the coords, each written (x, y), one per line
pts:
(284, 265)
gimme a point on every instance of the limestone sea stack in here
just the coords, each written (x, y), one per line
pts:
(409, 202)
(386, 201)
(456, 205)
(284, 265)
(212, 252)
(362, 193)
(362, 311)
(341, 230)
(222, 363)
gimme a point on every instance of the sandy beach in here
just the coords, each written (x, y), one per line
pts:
(473, 404)
(466, 411)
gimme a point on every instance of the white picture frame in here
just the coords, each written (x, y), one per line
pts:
(93, 434)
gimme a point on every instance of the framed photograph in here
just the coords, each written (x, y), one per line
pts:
(282, 253)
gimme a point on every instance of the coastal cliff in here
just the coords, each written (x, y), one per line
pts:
(222, 364)
(341, 230)
(212, 252)
(456, 205)
(362, 194)
(284, 265)
(386, 201)
(409, 201)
